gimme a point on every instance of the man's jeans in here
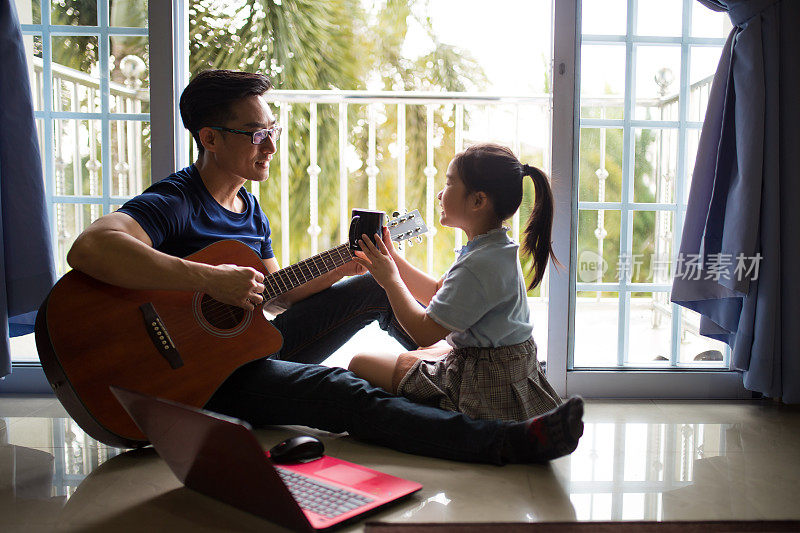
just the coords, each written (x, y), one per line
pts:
(290, 388)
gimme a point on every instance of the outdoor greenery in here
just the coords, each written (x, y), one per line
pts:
(643, 223)
(341, 44)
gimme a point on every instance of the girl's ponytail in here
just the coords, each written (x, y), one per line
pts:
(536, 241)
(495, 170)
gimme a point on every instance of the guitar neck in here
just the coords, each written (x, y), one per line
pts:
(295, 275)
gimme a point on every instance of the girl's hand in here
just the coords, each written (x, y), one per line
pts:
(387, 241)
(375, 257)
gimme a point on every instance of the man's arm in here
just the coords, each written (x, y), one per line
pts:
(116, 250)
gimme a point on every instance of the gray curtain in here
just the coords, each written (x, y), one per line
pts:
(744, 201)
(26, 259)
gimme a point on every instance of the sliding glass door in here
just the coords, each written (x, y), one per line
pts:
(642, 72)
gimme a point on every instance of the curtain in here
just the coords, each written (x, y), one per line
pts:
(742, 226)
(26, 259)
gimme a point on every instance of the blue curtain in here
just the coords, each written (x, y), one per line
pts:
(26, 259)
(744, 200)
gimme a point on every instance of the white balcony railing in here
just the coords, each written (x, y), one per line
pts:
(489, 111)
(522, 122)
(77, 119)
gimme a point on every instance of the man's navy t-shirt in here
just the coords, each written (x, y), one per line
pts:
(181, 217)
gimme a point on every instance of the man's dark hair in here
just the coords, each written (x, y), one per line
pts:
(207, 100)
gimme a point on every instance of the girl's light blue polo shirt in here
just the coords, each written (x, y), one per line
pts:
(483, 300)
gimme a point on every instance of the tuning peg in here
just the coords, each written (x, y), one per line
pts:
(395, 214)
(419, 238)
(410, 243)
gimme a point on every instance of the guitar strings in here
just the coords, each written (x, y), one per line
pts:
(282, 276)
(282, 281)
(217, 310)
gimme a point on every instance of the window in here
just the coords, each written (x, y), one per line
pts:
(643, 90)
(641, 79)
(89, 73)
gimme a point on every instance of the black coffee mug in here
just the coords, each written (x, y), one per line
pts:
(367, 222)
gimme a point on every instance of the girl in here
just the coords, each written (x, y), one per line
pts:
(480, 305)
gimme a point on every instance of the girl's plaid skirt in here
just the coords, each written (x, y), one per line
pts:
(504, 383)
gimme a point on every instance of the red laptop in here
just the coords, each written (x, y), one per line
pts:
(220, 457)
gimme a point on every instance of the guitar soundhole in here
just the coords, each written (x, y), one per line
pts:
(220, 315)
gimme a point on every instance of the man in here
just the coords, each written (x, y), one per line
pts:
(141, 247)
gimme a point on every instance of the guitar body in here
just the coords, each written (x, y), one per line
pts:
(176, 345)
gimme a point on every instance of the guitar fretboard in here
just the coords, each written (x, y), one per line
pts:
(295, 275)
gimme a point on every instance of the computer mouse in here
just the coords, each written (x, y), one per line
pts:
(301, 449)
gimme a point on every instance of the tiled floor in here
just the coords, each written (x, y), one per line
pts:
(637, 460)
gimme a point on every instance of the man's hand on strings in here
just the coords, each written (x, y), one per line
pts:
(351, 268)
(236, 285)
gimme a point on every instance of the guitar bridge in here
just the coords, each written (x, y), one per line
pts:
(159, 336)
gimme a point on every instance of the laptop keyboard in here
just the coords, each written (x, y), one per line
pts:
(321, 498)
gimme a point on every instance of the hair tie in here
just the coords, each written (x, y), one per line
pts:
(527, 170)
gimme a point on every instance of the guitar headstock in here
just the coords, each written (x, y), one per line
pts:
(407, 226)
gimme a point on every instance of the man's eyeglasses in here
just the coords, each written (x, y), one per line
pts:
(258, 136)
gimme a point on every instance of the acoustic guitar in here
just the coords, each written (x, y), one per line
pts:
(176, 345)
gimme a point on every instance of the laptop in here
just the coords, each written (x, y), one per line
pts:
(220, 457)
